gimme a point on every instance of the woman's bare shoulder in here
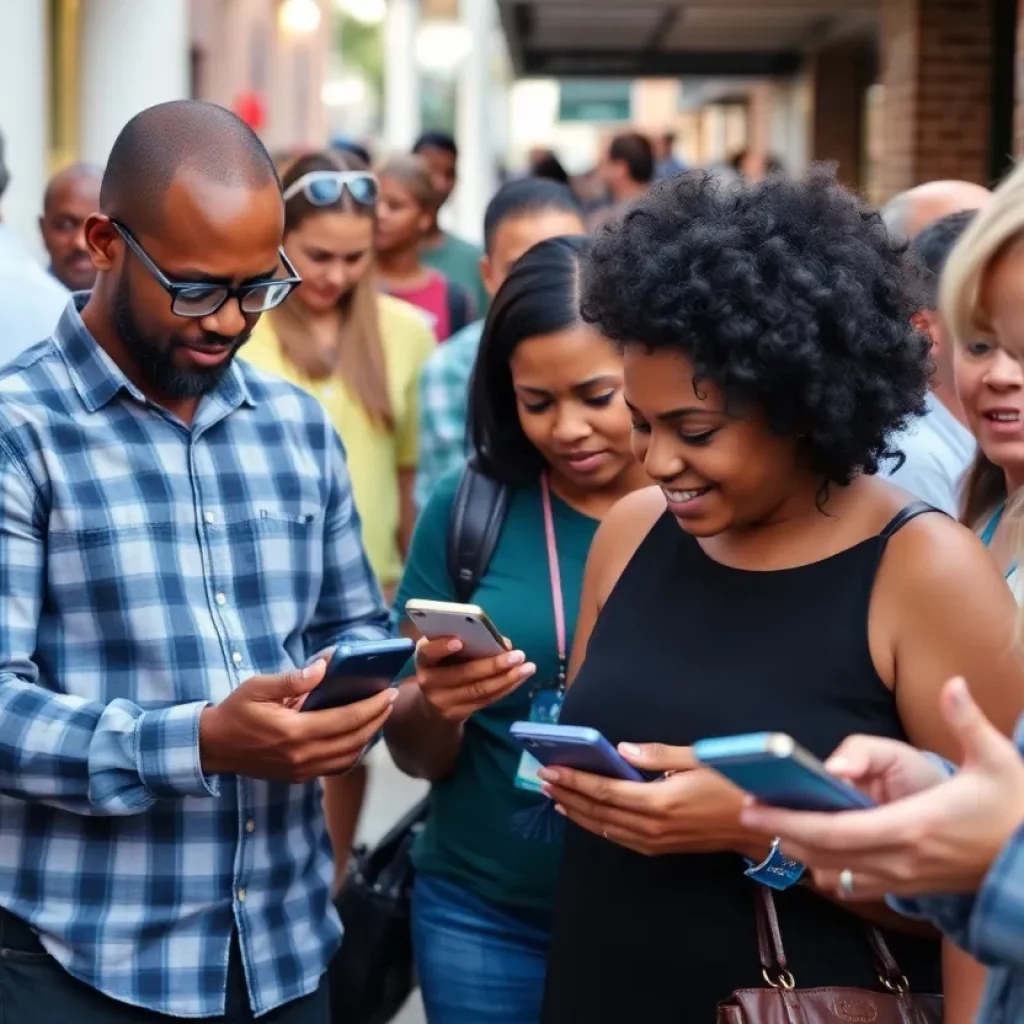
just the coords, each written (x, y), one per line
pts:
(621, 533)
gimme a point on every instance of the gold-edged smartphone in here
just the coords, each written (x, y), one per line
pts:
(469, 622)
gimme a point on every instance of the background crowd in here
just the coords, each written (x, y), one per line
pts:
(760, 449)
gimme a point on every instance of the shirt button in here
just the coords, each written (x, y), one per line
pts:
(210, 518)
(221, 600)
(236, 658)
(241, 895)
(250, 826)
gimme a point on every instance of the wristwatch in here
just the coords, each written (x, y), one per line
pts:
(776, 870)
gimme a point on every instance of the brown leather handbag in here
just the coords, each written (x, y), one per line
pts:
(783, 1003)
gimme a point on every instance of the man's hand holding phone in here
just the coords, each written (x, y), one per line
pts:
(258, 731)
(454, 689)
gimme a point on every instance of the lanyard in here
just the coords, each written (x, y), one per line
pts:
(556, 578)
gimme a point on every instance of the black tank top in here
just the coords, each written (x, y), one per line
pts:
(687, 648)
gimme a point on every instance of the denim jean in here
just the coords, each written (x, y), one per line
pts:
(35, 989)
(477, 964)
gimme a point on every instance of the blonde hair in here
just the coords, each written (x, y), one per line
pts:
(997, 228)
(357, 355)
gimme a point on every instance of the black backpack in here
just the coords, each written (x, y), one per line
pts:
(477, 516)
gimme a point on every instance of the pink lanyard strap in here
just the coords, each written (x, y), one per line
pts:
(556, 577)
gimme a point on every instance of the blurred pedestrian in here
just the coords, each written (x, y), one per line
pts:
(521, 214)
(627, 171)
(982, 299)
(907, 214)
(668, 164)
(405, 213)
(544, 164)
(446, 252)
(177, 542)
(31, 301)
(356, 350)
(70, 197)
(937, 448)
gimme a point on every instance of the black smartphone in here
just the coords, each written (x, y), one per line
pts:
(359, 670)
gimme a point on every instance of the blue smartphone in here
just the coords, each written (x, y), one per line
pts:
(575, 746)
(772, 767)
(359, 670)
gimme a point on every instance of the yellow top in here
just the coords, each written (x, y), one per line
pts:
(374, 456)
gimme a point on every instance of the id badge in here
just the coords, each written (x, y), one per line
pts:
(545, 709)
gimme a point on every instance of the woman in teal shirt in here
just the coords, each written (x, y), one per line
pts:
(548, 419)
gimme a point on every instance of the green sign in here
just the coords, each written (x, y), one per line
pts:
(595, 100)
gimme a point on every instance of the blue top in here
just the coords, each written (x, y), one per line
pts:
(146, 569)
(986, 537)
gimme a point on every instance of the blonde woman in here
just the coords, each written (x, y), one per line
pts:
(943, 830)
(356, 350)
(983, 304)
(360, 353)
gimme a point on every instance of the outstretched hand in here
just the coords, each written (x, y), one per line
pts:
(936, 834)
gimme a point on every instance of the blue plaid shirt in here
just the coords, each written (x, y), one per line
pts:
(988, 924)
(146, 569)
(444, 397)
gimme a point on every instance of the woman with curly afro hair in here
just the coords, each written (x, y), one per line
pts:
(769, 581)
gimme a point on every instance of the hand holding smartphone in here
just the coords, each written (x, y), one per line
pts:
(467, 622)
(774, 768)
(360, 670)
(577, 747)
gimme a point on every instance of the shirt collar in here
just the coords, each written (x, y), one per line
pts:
(98, 379)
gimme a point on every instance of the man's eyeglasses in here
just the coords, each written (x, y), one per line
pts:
(325, 188)
(197, 299)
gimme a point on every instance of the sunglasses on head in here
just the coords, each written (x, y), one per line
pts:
(325, 188)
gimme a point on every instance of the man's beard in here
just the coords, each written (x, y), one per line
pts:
(155, 357)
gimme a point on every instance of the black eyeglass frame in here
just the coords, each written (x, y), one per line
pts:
(176, 288)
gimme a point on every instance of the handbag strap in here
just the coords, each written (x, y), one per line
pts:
(772, 953)
(889, 973)
(769, 941)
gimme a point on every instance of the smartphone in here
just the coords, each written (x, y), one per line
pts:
(779, 772)
(359, 670)
(468, 622)
(575, 746)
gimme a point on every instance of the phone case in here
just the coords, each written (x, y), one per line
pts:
(359, 671)
(577, 747)
(469, 624)
(773, 768)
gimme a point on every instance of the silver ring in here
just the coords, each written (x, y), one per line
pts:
(846, 882)
(605, 833)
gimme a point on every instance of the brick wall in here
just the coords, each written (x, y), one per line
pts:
(839, 80)
(935, 57)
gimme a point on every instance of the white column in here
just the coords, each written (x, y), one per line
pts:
(24, 117)
(401, 78)
(133, 55)
(477, 179)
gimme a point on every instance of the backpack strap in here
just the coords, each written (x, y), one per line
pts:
(477, 517)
